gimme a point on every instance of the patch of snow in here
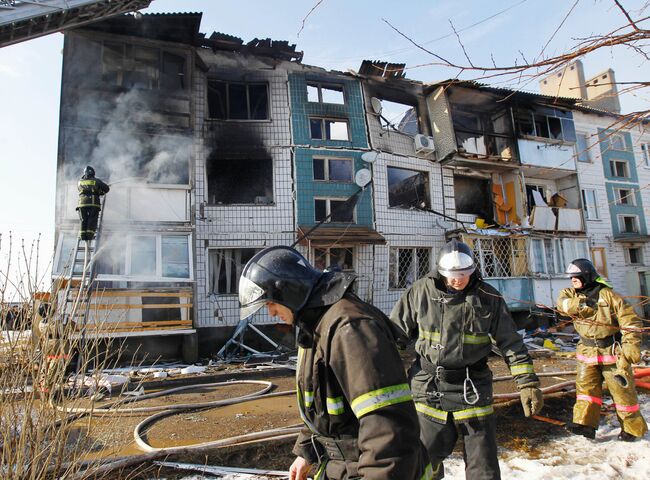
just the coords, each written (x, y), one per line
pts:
(575, 457)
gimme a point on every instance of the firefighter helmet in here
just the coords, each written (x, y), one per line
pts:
(89, 172)
(582, 269)
(276, 274)
(456, 260)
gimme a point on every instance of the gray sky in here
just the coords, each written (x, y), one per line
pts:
(338, 34)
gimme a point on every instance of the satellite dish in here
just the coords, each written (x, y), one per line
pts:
(369, 157)
(363, 177)
(375, 103)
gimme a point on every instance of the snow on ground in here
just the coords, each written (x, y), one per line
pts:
(567, 457)
(576, 457)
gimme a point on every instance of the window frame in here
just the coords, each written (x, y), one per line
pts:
(613, 170)
(393, 262)
(228, 83)
(583, 152)
(427, 176)
(129, 61)
(326, 169)
(586, 205)
(324, 130)
(328, 210)
(560, 251)
(621, 223)
(328, 254)
(600, 267)
(209, 257)
(630, 197)
(628, 257)
(620, 137)
(645, 153)
(126, 259)
(320, 86)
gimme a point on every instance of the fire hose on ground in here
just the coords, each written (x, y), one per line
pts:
(263, 436)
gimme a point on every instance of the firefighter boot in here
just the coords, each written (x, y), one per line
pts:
(627, 437)
(584, 430)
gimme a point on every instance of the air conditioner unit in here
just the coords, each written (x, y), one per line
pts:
(423, 144)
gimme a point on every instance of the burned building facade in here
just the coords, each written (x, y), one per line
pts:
(216, 148)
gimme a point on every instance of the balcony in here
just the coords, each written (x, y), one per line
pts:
(545, 155)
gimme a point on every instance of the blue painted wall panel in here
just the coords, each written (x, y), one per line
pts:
(517, 291)
(308, 188)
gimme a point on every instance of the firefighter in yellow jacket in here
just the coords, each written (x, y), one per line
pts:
(608, 346)
(90, 189)
(353, 396)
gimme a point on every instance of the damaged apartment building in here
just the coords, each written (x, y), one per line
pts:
(216, 148)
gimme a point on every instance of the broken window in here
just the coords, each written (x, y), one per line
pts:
(502, 257)
(173, 72)
(473, 196)
(408, 188)
(402, 117)
(634, 255)
(237, 101)
(590, 204)
(628, 224)
(240, 181)
(321, 93)
(333, 169)
(339, 211)
(406, 265)
(328, 129)
(618, 168)
(225, 267)
(617, 142)
(342, 258)
(535, 196)
(546, 122)
(624, 196)
(138, 66)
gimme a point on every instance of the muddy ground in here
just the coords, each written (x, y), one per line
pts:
(112, 435)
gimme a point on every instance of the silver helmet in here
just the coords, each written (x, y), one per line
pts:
(456, 260)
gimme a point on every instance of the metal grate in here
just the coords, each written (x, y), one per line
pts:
(408, 265)
(501, 257)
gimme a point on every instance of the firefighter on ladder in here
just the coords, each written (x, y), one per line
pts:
(90, 191)
(608, 347)
(355, 402)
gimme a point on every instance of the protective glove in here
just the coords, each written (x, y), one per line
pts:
(592, 302)
(632, 353)
(532, 400)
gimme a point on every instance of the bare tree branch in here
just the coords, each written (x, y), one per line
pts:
(302, 25)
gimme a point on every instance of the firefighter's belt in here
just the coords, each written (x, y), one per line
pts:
(342, 449)
(455, 375)
(600, 342)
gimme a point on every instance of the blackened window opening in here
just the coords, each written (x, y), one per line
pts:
(240, 181)
(408, 188)
(238, 101)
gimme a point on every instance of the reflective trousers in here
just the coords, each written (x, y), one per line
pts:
(589, 393)
(479, 440)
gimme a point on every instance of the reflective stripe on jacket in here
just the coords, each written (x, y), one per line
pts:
(455, 332)
(351, 384)
(90, 189)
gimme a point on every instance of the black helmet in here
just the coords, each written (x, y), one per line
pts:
(276, 274)
(455, 260)
(89, 171)
(583, 269)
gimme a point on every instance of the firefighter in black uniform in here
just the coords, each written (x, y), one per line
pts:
(454, 316)
(90, 189)
(353, 395)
